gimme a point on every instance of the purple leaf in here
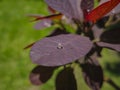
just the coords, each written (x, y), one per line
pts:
(93, 73)
(95, 49)
(66, 80)
(40, 74)
(97, 32)
(63, 6)
(87, 4)
(60, 50)
(70, 8)
(57, 31)
(116, 9)
(43, 24)
(108, 45)
(111, 36)
(103, 1)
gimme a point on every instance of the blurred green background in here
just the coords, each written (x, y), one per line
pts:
(16, 32)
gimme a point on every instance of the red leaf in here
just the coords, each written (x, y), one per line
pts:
(52, 17)
(102, 10)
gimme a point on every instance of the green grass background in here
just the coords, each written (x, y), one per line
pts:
(16, 32)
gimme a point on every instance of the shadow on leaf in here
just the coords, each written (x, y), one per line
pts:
(41, 74)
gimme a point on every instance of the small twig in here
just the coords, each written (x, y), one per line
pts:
(112, 83)
(29, 46)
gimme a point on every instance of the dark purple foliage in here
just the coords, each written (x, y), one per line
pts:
(63, 6)
(111, 36)
(71, 8)
(110, 46)
(101, 23)
(65, 80)
(92, 73)
(60, 50)
(87, 5)
(58, 31)
(95, 49)
(40, 75)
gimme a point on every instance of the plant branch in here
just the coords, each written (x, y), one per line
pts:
(112, 83)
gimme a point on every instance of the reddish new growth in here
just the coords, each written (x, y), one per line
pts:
(101, 10)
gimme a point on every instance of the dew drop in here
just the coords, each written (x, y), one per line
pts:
(60, 46)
